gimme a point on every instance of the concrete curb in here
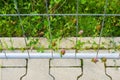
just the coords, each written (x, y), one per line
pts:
(18, 42)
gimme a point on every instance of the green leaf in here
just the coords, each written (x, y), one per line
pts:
(86, 8)
(83, 1)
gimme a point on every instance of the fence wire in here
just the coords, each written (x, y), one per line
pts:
(102, 26)
(22, 27)
(60, 14)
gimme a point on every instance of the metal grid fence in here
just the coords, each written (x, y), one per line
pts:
(77, 14)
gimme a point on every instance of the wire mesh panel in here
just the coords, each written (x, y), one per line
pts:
(58, 20)
(49, 28)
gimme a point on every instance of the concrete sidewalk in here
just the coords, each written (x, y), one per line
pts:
(38, 70)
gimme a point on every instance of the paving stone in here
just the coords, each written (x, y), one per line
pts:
(38, 70)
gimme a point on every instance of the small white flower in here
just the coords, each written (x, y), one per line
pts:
(81, 32)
